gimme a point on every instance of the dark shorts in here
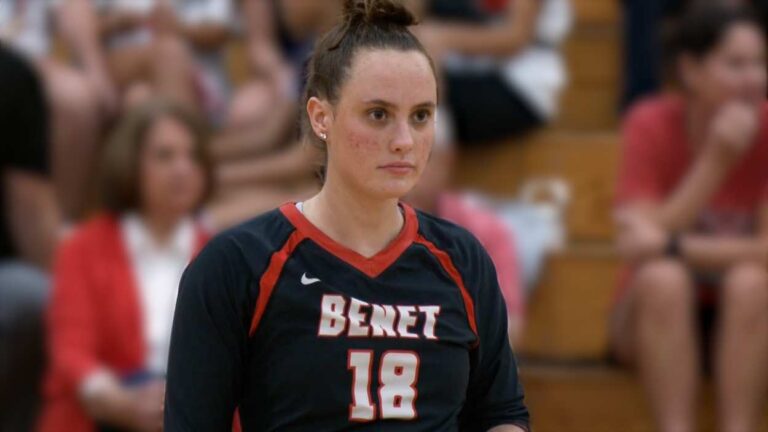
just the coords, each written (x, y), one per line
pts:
(486, 109)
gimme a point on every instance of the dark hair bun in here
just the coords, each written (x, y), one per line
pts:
(373, 12)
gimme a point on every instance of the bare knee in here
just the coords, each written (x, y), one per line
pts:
(663, 290)
(745, 294)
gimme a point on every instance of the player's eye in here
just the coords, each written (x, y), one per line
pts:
(422, 116)
(377, 114)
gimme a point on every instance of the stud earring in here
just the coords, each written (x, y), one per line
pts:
(323, 136)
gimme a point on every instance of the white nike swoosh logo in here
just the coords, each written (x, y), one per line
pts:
(308, 280)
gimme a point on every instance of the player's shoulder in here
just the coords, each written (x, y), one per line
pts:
(269, 230)
(462, 246)
(251, 242)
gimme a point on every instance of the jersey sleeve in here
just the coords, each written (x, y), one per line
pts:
(495, 394)
(208, 341)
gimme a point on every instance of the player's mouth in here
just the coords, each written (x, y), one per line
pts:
(399, 168)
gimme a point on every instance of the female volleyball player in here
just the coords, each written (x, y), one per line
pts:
(349, 310)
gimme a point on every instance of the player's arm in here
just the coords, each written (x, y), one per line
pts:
(208, 341)
(679, 211)
(647, 218)
(641, 239)
(263, 53)
(513, 33)
(728, 138)
(720, 252)
(495, 398)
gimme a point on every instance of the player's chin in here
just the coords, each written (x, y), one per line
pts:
(395, 188)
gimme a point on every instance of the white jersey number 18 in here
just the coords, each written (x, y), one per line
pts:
(398, 373)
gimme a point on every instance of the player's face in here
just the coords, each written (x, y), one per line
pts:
(382, 126)
(735, 69)
(172, 180)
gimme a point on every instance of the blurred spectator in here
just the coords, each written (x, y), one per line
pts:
(280, 35)
(28, 225)
(432, 195)
(693, 226)
(644, 25)
(178, 49)
(115, 279)
(501, 60)
(80, 93)
(260, 163)
(151, 47)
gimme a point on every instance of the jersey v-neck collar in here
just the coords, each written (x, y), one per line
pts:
(372, 266)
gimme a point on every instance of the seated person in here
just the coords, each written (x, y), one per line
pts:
(115, 279)
(502, 65)
(432, 195)
(693, 226)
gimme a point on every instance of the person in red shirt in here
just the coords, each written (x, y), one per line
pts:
(115, 279)
(692, 216)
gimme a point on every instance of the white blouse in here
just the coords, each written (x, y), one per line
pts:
(157, 269)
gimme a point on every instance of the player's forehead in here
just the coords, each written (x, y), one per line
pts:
(404, 79)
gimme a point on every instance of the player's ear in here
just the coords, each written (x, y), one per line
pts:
(320, 115)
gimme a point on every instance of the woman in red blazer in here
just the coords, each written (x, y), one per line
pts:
(115, 278)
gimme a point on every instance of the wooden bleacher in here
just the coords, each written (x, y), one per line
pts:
(597, 399)
(586, 160)
(593, 56)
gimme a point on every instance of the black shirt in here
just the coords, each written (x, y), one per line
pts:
(302, 334)
(23, 130)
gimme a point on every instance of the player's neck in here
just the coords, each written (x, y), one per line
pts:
(363, 225)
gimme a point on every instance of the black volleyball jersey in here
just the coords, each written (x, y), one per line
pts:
(278, 321)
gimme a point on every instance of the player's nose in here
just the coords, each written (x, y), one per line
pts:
(403, 140)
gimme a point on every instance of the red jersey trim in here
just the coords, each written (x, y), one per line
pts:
(447, 263)
(372, 266)
(271, 275)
